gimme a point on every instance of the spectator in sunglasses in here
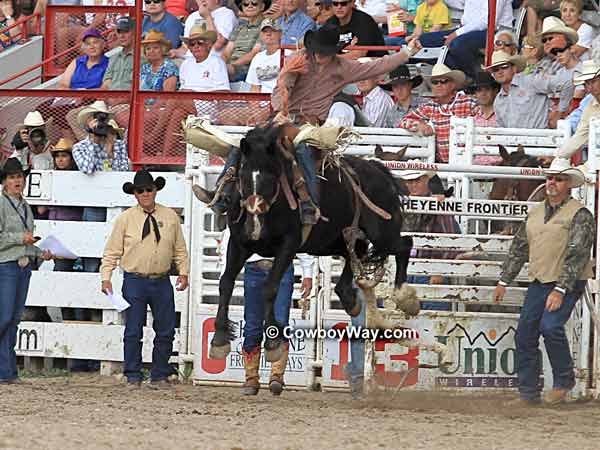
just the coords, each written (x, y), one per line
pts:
(434, 116)
(217, 17)
(244, 42)
(523, 101)
(319, 10)
(356, 28)
(571, 67)
(505, 40)
(294, 23)
(570, 13)
(555, 34)
(160, 20)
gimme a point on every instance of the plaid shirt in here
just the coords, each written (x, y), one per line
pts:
(91, 157)
(438, 117)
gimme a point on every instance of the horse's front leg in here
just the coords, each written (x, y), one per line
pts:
(404, 296)
(224, 329)
(274, 341)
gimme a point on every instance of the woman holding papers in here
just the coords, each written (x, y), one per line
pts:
(17, 253)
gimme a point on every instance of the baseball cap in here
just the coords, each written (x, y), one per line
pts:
(125, 23)
(269, 23)
(92, 32)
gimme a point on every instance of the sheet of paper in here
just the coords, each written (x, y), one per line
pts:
(118, 301)
(56, 247)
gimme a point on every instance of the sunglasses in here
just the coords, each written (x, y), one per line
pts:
(557, 178)
(197, 43)
(500, 43)
(547, 39)
(140, 191)
(317, 4)
(440, 82)
(246, 4)
(558, 51)
(339, 4)
(156, 2)
(499, 68)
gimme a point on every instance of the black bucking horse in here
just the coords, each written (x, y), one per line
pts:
(264, 219)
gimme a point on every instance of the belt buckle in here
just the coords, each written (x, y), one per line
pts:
(23, 261)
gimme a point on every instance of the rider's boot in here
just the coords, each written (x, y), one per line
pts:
(277, 370)
(205, 196)
(251, 365)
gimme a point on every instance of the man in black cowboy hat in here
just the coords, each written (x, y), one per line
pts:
(401, 84)
(485, 89)
(145, 241)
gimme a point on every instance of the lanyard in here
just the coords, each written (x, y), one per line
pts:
(23, 218)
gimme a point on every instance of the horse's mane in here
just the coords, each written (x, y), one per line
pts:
(262, 142)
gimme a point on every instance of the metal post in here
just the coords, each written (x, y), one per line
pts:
(491, 31)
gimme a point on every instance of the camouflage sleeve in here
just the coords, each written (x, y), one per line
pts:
(579, 245)
(517, 256)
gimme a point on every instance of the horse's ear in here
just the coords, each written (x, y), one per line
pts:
(244, 147)
(503, 153)
(520, 149)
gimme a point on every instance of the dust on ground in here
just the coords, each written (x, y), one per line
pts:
(92, 412)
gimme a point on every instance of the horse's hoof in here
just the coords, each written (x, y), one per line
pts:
(406, 300)
(274, 354)
(219, 351)
(276, 387)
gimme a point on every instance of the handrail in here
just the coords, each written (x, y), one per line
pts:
(22, 20)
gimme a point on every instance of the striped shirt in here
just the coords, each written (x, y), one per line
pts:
(438, 117)
(376, 106)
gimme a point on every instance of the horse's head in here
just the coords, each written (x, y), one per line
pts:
(515, 188)
(259, 172)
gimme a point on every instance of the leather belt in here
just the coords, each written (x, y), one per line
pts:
(264, 264)
(150, 276)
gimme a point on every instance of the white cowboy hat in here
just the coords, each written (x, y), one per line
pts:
(563, 166)
(33, 119)
(555, 25)
(443, 71)
(500, 57)
(589, 70)
(413, 174)
(97, 106)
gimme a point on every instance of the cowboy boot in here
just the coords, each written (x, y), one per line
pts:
(251, 365)
(277, 370)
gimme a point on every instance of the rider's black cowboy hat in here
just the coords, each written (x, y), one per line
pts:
(12, 166)
(324, 41)
(143, 179)
(401, 74)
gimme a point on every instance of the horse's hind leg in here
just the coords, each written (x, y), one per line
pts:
(346, 292)
(224, 329)
(404, 296)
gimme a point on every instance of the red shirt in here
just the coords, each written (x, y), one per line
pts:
(176, 7)
(438, 116)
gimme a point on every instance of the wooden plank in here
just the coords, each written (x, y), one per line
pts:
(465, 242)
(79, 290)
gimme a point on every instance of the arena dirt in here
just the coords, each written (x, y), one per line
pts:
(91, 412)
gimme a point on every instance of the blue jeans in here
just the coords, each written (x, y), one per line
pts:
(463, 50)
(14, 284)
(394, 40)
(254, 309)
(356, 366)
(92, 214)
(535, 320)
(139, 293)
(306, 160)
(433, 306)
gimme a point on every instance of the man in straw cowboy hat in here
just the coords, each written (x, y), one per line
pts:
(555, 35)
(145, 241)
(401, 84)
(590, 77)
(433, 117)
(523, 99)
(31, 142)
(100, 151)
(556, 240)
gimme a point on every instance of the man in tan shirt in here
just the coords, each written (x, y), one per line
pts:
(145, 241)
(556, 240)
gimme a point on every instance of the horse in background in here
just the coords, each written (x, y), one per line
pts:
(516, 189)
